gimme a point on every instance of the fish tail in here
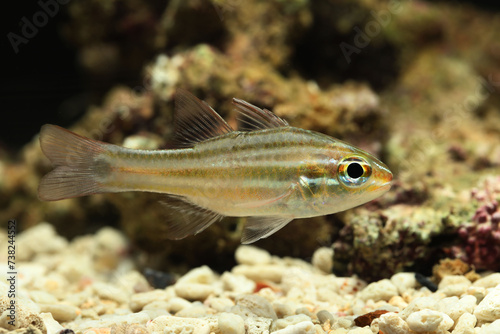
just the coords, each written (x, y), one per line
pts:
(80, 164)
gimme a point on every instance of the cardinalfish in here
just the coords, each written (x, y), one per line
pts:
(265, 170)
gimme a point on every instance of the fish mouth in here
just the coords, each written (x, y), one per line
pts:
(385, 186)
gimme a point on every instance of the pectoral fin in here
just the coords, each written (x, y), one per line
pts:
(261, 227)
(186, 218)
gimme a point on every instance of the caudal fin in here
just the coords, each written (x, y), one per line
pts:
(75, 158)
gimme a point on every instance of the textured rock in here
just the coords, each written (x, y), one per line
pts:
(24, 316)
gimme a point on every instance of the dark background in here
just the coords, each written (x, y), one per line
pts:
(43, 82)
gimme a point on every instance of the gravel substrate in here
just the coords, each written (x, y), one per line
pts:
(90, 286)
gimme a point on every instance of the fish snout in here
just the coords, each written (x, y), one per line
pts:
(385, 178)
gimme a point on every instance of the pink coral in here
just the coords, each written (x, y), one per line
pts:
(481, 236)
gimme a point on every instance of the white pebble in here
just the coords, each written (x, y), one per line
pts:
(156, 309)
(193, 291)
(109, 245)
(42, 297)
(260, 272)
(176, 304)
(455, 307)
(75, 266)
(493, 328)
(454, 285)
(345, 322)
(489, 308)
(381, 290)
(323, 259)
(391, 323)
(231, 324)
(360, 331)
(428, 321)
(252, 255)
(257, 305)
(418, 304)
(257, 325)
(61, 313)
(237, 283)
(139, 300)
(196, 310)
(110, 291)
(201, 275)
(489, 281)
(219, 304)
(465, 324)
(177, 325)
(404, 281)
(305, 327)
(52, 326)
(478, 292)
(109, 320)
(290, 320)
(39, 239)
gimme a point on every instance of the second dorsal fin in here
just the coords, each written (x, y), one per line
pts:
(255, 118)
(195, 120)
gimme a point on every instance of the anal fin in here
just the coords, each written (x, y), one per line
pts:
(186, 218)
(259, 227)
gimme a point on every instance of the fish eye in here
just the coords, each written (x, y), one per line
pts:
(354, 171)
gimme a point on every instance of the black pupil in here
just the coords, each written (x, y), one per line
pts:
(355, 170)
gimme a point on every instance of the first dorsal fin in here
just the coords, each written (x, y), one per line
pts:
(195, 120)
(255, 118)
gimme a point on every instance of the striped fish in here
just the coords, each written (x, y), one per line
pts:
(267, 170)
